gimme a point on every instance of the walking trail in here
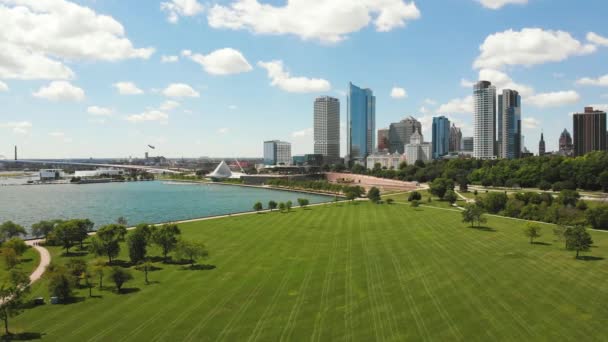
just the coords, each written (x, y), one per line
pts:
(45, 260)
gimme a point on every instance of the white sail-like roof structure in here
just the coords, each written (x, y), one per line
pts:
(222, 171)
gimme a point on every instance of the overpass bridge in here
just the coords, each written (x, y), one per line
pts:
(150, 169)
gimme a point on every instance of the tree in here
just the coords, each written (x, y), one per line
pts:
(390, 201)
(272, 205)
(43, 228)
(78, 268)
(10, 229)
(532, 231)
(107, 241)
(98, 267)
(281, 206)
(122, 221)
(450, 196)
(66, 234)
(137, 243)
(494, 202)
(120, 276)
(82, 228)
(597, 217)
(440, 186)
(60, 282)
(258, 206)
(10, 257)
(12, 294)
(414, 204)
(17, 245)
(374, 195)
(191, 250)
(568, 198)
(578, 239)
(414, 196)
(544, 185)
(166, 238)
(288, 206)
(146, 267)
(603, 179)
(472, 214)
(303, 202)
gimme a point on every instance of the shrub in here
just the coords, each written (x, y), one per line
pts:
(414, 196)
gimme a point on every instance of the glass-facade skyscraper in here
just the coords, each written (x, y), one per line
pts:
(509, 124)
(277, 152)
(441, 136)
(484, 97)
(361, 123)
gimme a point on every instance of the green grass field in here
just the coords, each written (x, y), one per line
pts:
(350, 272)
(29, 261)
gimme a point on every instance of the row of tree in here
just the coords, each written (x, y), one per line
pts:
(588, 172)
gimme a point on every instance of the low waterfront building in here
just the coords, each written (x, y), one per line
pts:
(50, 174)
(386, 160)
(99, 173)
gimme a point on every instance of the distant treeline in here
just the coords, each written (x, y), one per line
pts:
(318, 185)
(589, 172)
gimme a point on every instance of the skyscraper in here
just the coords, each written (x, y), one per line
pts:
(441, 136)
(455, 138)
(484, 96)
(383, 142)
(327, 128)
(509, 124)
(277, 152)
(541, 146)
(468, 144)
(400, 132)
(589, 131)
(361, 123)
(417, 149)
(565, 144)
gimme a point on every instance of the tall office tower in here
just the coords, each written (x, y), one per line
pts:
(441, 136)
(417, 149)
(383, 142)
(361, 123)
(455, 138)
(589, 131)
(468, 144)
(484, 96)
(277, 152)
(565, 144)
(541, 145)
(327, 128)
(400, 132)
(509, 124)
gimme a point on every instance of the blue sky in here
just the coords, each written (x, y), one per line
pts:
(245, 71)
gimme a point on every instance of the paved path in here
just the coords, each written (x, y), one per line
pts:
(45, 260)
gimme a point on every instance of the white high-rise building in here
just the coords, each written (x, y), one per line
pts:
(417, 149)
(327, 128)
(484, 97)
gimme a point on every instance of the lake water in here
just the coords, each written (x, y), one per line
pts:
(150, 202)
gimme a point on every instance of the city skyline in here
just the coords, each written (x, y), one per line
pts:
(194, 83)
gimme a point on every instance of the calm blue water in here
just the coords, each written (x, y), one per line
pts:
(150, 202)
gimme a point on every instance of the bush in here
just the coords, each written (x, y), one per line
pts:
(374, 195)
(544, 185)
(494, 202)
(414, 196)
(597, 217)
(450, 196)
(390, 201)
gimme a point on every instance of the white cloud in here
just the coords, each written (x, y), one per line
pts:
(38, 37)
(430, 102)
(232, 107)
(327, 21)
(100, 111)
(457, 106)
(169, 59)
(601, 81)
(528, 47)
(466, 83)
(3, 86)
(424, 110)
(180, 90)
(302, 133)
(169, 105)
(603, 107)
(21, 127)
(554, 99)
(150, 115)
(282, 79)
(60, 136)
(181, 8)
(225, 61)
(223, 130)
(530, 123)
(597, 39)
(605, 96)
(503, 81)
(60, 91)
(497, 4)
(398, 93)
(127, 88)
